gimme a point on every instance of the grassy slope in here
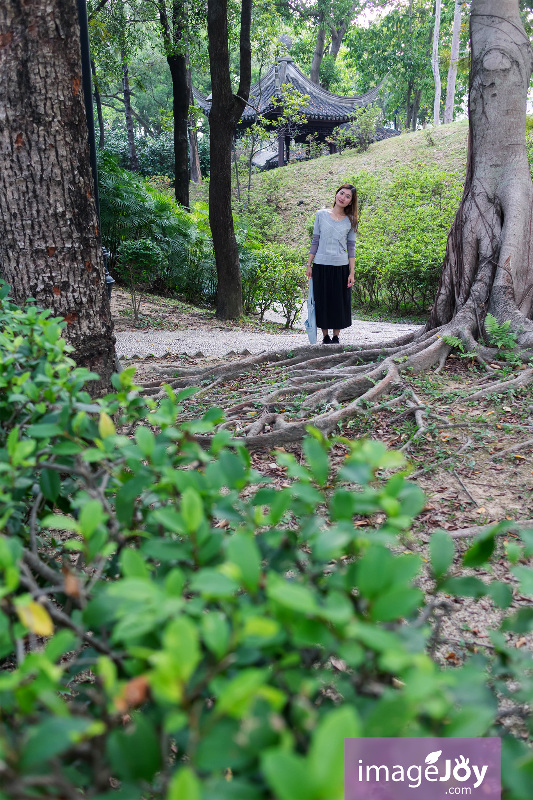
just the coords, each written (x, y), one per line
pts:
(314, 182)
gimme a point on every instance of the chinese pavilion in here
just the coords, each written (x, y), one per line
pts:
(324, 110)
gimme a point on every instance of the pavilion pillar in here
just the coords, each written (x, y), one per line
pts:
(281, 147)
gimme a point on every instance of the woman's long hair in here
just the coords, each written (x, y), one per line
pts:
(351, 211)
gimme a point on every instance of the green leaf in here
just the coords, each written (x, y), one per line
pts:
(192, 509)
(238, 695)
(373, 571)
(326, 754)
(442, 549)
(525, 576)
(318, 460)
(58, 522)
(501, 594)
(291, 595)
(50, 484)
(288, 775)
(50, 738)
(520, 622)
(243, 551)
(92, 515)
(466, 586)
(180, 638)
(133, 565)
(184, 785)
(211, 583)
(215, 632)
(145, 440)
(482, 548)
(135, 753)
(401, 601)
(45, 430)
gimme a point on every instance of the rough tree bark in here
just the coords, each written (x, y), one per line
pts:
(173, 23)
(49, 239)
(452, 69)
(435, 64)
(488, 264)
(226, 109)
(488, 267)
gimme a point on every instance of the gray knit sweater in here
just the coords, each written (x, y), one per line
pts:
(333, 240)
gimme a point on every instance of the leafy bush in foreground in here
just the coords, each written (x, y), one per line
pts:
(170, 634)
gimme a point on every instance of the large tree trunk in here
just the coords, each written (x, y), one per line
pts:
(452, 70)
(318, 55)
(488, 265)
(132, 151)
(226, 109)
(49, 239)
(435, 65)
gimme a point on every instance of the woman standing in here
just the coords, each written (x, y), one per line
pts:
(331, 262)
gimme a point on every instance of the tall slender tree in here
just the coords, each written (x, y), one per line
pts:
(452, 69)
(173, 26)
(435, 64)
(49, 238)
(226, 109)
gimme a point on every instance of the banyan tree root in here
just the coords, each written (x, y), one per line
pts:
(333, 385)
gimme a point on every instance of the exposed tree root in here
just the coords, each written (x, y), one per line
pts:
(475, 530)
(333, 384)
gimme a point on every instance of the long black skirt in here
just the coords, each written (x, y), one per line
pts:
(333, 299)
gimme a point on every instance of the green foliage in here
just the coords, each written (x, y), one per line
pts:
(455, 342)
(132, 210)
(359, 133)
(198, 609)
(275, 279)
(502, 336)
(155, 154)
(402, 237)
(140, 260)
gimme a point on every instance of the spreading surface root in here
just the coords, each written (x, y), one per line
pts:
(324, 387)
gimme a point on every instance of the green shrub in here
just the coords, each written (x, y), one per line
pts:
(359, 133)
(402, 237)
(138, 263)
(173, 622)
(131, 210)
(276, 280)
(155, 154)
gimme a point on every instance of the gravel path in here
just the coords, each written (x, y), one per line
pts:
(221, 341)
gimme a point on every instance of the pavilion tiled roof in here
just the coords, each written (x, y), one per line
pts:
(322, 105)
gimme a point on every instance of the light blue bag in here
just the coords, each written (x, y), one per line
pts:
(310, 322)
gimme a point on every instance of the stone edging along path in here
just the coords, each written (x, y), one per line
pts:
(217, 343)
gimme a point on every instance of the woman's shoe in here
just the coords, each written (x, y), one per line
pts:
(335, 340)
(326, 339)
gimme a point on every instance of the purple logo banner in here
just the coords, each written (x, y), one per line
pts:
(418, 769)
